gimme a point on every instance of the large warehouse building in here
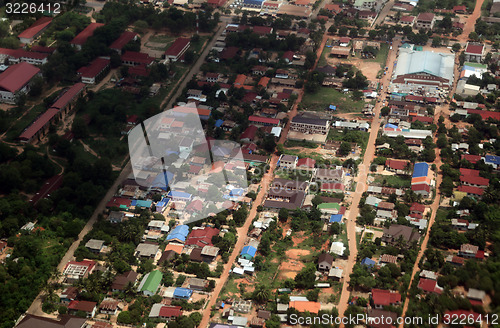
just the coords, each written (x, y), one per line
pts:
(423, 72)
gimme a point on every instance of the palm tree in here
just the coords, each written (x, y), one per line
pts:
(261, 294)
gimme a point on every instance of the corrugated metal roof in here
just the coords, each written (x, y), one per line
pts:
(437, 64)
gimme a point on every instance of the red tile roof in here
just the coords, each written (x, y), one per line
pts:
(333, 8)
(416, 207)
(47, 50)
(117, 201)
(485, 114)
(39, 123)
(264, 81)
(459, 8)
(249, 133)
(240, 80)
(332, 186)
(471, 190)
(407, 19)
(17, 76)
(82, 37)
(469, 172)
(475, 180)
(425, 17)
(176, 47)
(124, 38)
(35, 28)
(288, 55)
(309, 162)
(423, 119)
(421, 186)
(137, 57)
(170, 311)
(303, 306)
(396, 164)
(95, 67)
(84, 306)
(429, 285)
(471, 158)
(385, 297)
(68, 96)
(265, 120)
(262, 30)
(474, 49)
(201, 237)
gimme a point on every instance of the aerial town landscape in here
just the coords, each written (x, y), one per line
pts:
(249, 163)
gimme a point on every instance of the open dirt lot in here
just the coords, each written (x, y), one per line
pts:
(368, 68)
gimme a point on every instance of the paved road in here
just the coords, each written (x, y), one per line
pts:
(36, 306)
(361, 185)
(196, 67)
(383, 13)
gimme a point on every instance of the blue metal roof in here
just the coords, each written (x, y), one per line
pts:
(392, 126)
(162, 180)
(420, 170)
(219, 123)
(178, 194)
(249, 250)
(368, 262)
(180, 232)
(254, 2)
(335, 218)
(183, 292)
(141, 203)
(492, 159)
(163, 202)
(236, 192)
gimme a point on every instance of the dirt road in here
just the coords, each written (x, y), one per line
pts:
(361, 185)
(471, 21)
(383, 13)
(36, 306)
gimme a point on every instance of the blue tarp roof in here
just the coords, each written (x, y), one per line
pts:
(179, 194)
(367, 261)
(141, 203)
(218, 123)
(182, 292)
(392, 126)
(333, 107)
(180, 232)
(420, 170)
(162, 180)
(335, 218)
(492, 159)
(249, 250)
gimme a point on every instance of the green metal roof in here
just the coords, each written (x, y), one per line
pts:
(152, 281)
(478, 65)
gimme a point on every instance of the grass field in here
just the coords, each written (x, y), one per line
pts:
(324, 97)
(322, 59)
(16, 129)
(395, 181)
(382, 55)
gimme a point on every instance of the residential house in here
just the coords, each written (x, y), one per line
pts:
(387, 258)
(165, 312)
(335, 273)
(65, 321)
(201, 237)
(325, 262)
(393, 234)
(474, 52)
(425, 21)
(197, 283)
(109, 306)
(150, 283)
(74, 271)
(476, 296)
(429, 286)
(381, 298)
(146, 251)
(69, 294)
(306, 163)
(95, 245)
(397, 166)
(89, 308)
(288, 161)
(248, 252)
(471, 251)
(284, 184)
(329, 175)
(123, 280)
